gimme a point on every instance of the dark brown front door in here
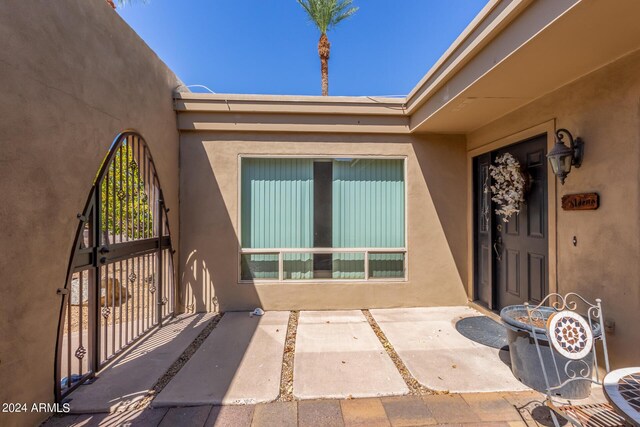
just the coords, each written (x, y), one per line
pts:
(517, 266)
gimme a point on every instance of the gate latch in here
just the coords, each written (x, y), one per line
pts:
(61, 291)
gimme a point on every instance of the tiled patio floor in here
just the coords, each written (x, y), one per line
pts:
(476, 409)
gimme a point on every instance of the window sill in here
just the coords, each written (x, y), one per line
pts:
(322, 282)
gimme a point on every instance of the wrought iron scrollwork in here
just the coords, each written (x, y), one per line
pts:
(580, 370)
(81, 352)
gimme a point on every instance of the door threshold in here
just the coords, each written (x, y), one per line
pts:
(485, 310)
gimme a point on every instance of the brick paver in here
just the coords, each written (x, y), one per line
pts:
(326, 413)
(526, 402)
(230, 416)
(278, 414)
(147, 417)
(450, 409)
(194, 416)
(461, 410)
(492, 407)
(407, 411)
(364, 413)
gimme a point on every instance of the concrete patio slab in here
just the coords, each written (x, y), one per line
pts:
(239, 363)
(439, 357)
(339, 356)
(128, 379)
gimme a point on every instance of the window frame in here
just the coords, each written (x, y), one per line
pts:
(280, 251)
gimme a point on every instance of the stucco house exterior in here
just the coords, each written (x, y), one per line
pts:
(296, 202)
(519, 72)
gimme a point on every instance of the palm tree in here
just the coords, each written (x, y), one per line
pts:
(326, 14)
(121, 2)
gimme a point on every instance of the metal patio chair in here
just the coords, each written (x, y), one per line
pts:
(569, 358)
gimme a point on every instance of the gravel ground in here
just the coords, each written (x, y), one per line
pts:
(131, 308)
(415, 388)
(286, 380)
(133, 305)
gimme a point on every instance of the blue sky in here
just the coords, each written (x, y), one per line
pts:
(270, 47)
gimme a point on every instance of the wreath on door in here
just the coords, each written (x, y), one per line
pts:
(509, 185)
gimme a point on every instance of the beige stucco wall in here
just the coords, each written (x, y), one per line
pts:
(436, 238)
(603, 108)
(72, 75)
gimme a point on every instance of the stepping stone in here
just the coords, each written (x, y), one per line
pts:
(239, 363)
(339, 356)
(439, 356)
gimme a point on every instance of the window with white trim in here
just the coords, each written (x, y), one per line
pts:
(322, 219)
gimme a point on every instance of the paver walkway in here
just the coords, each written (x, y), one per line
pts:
(480, 409)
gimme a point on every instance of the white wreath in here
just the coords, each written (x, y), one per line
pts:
(509, 185)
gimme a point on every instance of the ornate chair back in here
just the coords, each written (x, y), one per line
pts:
(572, 328)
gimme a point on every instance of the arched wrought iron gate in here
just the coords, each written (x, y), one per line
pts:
(120, 281)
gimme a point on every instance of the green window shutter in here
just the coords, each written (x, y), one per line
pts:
(368, 204)
(277, 203)
(368, 212)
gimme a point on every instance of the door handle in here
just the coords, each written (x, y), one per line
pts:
(497, 248)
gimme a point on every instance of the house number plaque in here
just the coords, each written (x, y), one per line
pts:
(580, 202)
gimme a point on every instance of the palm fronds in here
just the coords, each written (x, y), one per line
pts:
(326, 14)
(121, 3)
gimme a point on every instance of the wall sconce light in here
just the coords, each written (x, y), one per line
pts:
(562, 157)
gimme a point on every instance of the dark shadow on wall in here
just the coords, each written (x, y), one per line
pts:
(443, 161)
(209, 281)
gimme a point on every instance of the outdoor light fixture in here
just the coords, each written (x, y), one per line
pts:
(562, 157)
